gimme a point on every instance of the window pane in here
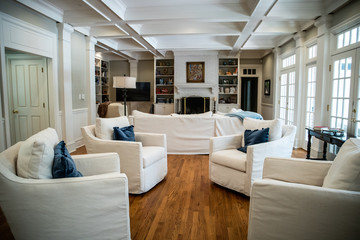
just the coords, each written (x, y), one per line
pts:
(335, 88)
(341, 88)
(340, 40)
(346, 38)
(336, 69)
(346, 108)
(347, 88)
(348, 67)
(342, 68)
(353, 35)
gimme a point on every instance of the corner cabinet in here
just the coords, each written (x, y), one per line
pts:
(228, 83)
(101, 81)
(164, 86)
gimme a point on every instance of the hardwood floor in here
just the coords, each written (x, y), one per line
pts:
(186, 205)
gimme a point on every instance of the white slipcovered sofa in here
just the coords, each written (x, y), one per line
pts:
(95, 206)
(144, 161)
(187, 134)
(307, 199)
(237, 170)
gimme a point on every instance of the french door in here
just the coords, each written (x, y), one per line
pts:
(345, 93)
(287, 97)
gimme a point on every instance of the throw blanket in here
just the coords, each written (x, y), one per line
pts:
(103, 107)
(244, 114)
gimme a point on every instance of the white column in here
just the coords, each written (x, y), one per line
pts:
(133, 68)
(65, 97)
(90, 77)
(322, 80)
(276, 82)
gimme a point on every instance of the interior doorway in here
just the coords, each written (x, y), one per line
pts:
(27, 94)
(249, 93)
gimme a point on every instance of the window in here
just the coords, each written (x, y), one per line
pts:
(310, 101)
(348, 37)
(312, 52)
(340, 99)
(289, 61)
(287, 97)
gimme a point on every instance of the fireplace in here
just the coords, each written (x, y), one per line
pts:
(193, 105)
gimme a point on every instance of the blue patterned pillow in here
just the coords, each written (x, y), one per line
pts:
(252, 137)
(124, 133)
(63, 165)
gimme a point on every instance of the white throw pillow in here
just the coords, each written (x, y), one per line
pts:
(36, 155)
(234, 110)
(344, 173)
(275, 126)
(104, 127)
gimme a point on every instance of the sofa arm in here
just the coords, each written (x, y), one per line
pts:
(79, 208)
(296, 170)
(94, 164)
(225, 142)
(280, 210)
(151, 139)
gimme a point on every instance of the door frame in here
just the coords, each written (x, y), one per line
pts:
(24, 56)
(39, 37)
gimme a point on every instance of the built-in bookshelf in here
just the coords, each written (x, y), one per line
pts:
(228, 81)
(164, 81)
(101, 80)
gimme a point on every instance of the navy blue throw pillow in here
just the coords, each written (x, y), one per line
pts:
(64, 165)
(124, 133)
(252, 137)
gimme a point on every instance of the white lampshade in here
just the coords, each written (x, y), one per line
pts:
(124, 82)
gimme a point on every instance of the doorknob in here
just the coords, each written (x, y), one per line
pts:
(15, 111)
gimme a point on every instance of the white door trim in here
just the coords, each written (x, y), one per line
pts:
(39, 42)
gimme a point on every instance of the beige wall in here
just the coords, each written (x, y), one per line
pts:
(287, 47)
(78, 70)
(268, 73)
(146, 74)
(117, 68)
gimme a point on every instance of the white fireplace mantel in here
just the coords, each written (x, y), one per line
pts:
(180, 87)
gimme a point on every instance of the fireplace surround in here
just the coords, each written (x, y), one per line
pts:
(194, 105)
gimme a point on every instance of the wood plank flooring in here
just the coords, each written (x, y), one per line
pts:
(186, 205)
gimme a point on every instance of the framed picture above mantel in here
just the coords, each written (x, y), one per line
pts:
(195, 72)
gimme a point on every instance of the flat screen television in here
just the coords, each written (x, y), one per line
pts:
(140, 94)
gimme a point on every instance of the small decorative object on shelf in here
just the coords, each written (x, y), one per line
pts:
(101, 80)
(164, 81)
(228, 81)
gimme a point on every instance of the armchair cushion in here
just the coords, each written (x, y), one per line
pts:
(275, 126)
(344, 173)
(63, 166)
(152, 154)
(124, 133)
(231, 158)
(254, 137)
(104, 126)
(36, 155)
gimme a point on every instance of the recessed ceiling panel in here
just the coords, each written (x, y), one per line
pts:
(262, 41)
(106, 31)
(279, 26)
(189, 27)
(194, 42)
(128, 44)
(297, 9)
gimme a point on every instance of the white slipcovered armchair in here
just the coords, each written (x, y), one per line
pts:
(236, 170)
(95, 206)
(144, 161)
(306, 199)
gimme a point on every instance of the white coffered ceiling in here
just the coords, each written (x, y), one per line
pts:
(144, 28)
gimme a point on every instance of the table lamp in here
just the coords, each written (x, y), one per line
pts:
(124, 82)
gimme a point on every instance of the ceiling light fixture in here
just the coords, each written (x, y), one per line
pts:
(122, 29)
(139, 43)
(97, 10)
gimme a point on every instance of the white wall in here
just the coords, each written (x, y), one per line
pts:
(211, 74)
